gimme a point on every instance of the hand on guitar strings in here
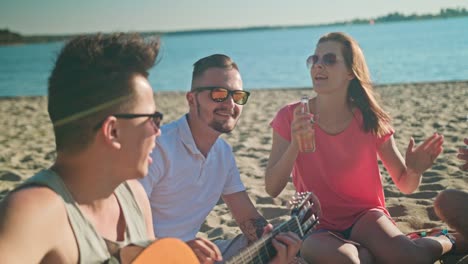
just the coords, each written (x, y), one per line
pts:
(287, 245)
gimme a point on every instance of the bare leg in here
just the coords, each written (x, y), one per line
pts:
(376, 232)
(451, 206)
(325, 248)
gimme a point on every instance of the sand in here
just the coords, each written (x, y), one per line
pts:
(418, 110)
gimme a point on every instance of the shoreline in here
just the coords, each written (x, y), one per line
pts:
(375, 85)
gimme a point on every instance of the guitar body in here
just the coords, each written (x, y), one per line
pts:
(167, 250)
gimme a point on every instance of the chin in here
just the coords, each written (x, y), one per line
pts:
(141, 173)
(227, 129)
(223, 128)
(322, 90)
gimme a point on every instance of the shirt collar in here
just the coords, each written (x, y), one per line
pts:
(186, 135)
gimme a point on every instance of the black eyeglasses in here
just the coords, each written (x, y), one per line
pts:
(328, 59)
(156, 117)
(220, 94)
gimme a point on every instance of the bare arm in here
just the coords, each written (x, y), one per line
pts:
(143, 202)
(247, 217)
(33, 226)
(280, 164)
(395, 164)
(406, 173)
(284, 153)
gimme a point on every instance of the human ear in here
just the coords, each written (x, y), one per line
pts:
(110, 130)
(190, 98)
(351, 75)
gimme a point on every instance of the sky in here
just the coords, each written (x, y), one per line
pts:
(36, 17)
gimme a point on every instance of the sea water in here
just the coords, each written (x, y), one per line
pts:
(398, 52)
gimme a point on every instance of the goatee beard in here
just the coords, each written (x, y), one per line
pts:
(220, 127)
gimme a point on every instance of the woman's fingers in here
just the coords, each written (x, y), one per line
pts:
(437, 148)
(432, 141)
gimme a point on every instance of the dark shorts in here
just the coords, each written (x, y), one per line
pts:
(346, 234)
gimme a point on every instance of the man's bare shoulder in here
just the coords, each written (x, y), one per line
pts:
(30, 210)
(136, 187)
(143, 203)
(30, 201)
(140, 194)
(33, 220)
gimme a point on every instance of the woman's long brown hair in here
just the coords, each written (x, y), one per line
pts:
(360, 91)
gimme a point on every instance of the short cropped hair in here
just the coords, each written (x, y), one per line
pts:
(213, 61)
(91, 80)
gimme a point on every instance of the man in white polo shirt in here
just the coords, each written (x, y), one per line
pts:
(192, 167)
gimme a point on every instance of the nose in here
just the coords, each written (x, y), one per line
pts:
(229, 100)
(157, 131)
(318, 64)
(156, 128)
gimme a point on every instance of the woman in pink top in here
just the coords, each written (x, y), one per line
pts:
(351, 132)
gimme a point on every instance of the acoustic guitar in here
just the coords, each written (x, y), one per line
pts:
(164, 251)
(175, 251)
(303, 219)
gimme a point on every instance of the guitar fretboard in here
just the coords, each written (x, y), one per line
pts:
(262, 251)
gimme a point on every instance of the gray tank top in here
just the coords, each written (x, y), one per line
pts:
(92, 247)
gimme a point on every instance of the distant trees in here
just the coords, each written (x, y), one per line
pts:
(444, 13)
(448, 12)
(396, 16)
(8, 37)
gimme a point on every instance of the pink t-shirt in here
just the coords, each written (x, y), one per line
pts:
(343, 171)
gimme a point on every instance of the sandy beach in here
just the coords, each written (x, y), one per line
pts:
(418, 110)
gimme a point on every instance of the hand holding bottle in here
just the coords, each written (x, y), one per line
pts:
(302, 130)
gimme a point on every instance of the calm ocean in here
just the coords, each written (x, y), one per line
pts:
(416, 51)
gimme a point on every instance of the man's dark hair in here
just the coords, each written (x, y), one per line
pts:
(91, 80)
(213, 61)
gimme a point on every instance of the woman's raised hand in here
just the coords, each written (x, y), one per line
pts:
(420, 158)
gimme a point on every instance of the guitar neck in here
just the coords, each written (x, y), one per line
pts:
(262, 250)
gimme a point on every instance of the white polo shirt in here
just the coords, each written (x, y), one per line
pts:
(182, 185)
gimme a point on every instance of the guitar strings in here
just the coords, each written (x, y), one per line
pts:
(266, 244)
(265, 256)
(255, 252)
